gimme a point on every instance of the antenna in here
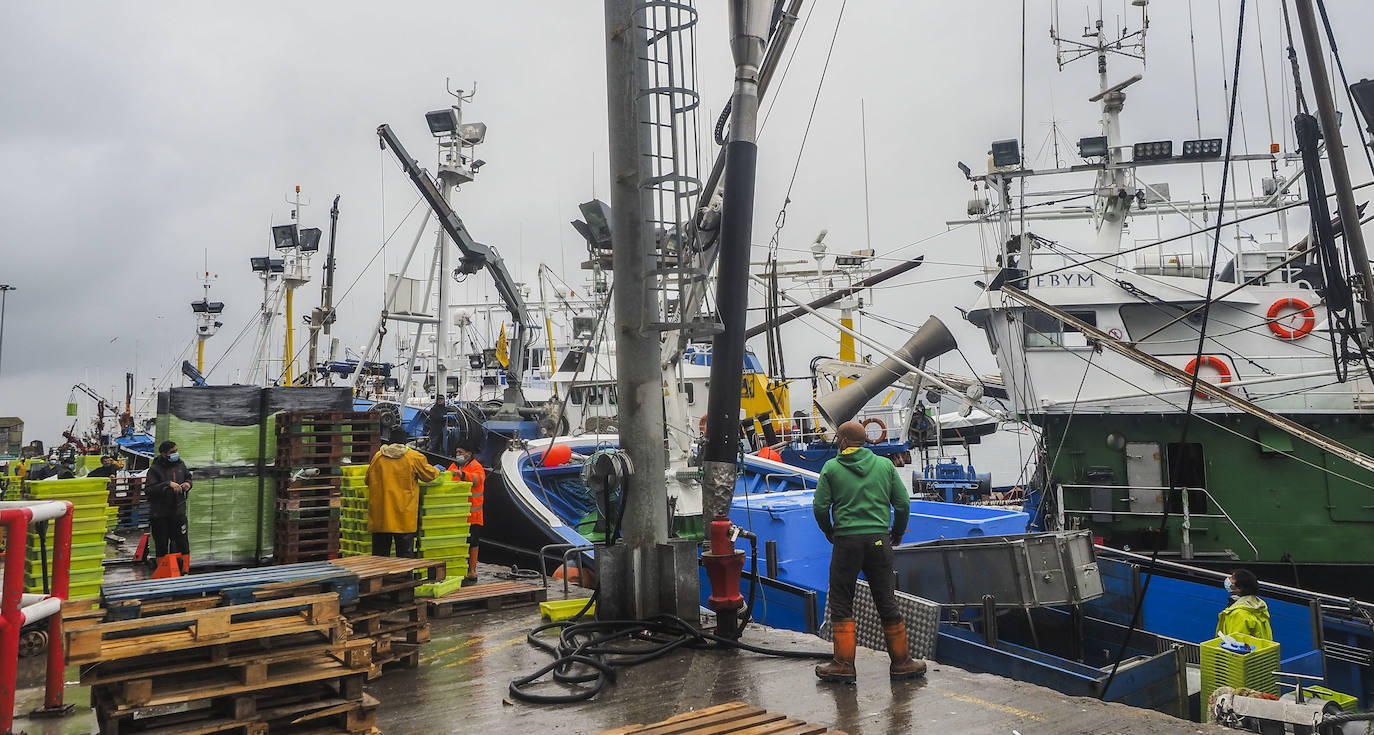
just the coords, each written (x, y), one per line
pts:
(1129, 43)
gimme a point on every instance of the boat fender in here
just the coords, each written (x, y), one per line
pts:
(882, 429)
(1217, 364)
(1309, 318)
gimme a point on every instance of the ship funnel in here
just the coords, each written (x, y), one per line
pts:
(931, 340)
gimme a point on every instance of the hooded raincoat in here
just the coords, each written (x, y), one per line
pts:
(1248, 615)
(393, 485)
(860, 493)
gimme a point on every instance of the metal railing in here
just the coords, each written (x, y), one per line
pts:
(1186, 547)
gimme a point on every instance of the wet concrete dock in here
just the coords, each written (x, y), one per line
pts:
(461, 686)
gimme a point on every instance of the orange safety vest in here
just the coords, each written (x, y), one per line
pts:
(476, 474)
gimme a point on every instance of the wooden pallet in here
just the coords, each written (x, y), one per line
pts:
(335, 716)
(383, 575)
(205, 705)
(485, 597)
(89, 640)
(732, 717)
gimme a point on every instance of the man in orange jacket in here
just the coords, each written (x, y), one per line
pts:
(470, 470)
(393, 488)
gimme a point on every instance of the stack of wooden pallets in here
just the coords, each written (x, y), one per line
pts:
(244, 652)
(313, 447)
(387, 610)
(126, 497)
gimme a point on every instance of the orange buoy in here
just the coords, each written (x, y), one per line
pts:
(556, 456)
(769, 453)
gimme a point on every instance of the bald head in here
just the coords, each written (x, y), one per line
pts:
(851, 434)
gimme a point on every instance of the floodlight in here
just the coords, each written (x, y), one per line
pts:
(260, 265)
(850, 261)
(216, 307)
(1153, 151)
(310, 239)
(285, 236)
(1363, 92)
(278, 265)
(442, 122)
(478, 164)
(473, 133)
(200, 307)
(1206, 148)
(968, 172)
(1006, 153)
(1093, 147)
(597, 227)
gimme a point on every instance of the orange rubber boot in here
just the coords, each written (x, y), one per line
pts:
(902, 666)
(841, 668)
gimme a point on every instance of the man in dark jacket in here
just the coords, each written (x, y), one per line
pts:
(862, 507)
(167, 485)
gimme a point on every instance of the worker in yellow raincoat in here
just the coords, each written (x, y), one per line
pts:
(393, 487)
(1247, 613)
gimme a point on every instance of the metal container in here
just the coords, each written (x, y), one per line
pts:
(1020, 570)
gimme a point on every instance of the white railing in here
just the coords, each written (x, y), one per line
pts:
(1186, 547)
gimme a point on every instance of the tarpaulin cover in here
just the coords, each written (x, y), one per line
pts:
(224, 519)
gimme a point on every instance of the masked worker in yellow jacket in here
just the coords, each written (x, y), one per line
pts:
(393, 489)
(1247, 613)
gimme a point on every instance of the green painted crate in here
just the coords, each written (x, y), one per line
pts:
(439, 589)
(1227, 668)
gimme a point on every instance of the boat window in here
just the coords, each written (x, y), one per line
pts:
(689, 391)
(536, 358)
(594, 396)
(574, 362)
(1187, 469)
(611, 392)
(1043, 330)
(575, 395)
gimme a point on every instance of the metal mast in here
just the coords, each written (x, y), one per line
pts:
(323, 317)
(638, 377)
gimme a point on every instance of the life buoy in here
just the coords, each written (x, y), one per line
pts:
(1309, 318)
(882, 429)
(1214, 362)
(701, 425)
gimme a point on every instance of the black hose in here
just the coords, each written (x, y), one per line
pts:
(587, 654)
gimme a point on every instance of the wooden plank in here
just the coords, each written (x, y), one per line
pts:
(296, 647)
(191, 689)
(730, 718)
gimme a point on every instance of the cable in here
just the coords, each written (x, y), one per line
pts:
(1201, 343)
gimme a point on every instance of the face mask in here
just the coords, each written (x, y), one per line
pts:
(1227, 584)
(176, 457)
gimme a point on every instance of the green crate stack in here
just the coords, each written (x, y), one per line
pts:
(1254, 670)
(354, 540)
(444, 509)
(88, 497)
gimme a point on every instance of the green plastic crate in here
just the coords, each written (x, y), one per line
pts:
(1346, 702)
(1227, 668)
(439, 589)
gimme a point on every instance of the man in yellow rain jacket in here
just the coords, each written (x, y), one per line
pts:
(1247, 613)
(393, 486)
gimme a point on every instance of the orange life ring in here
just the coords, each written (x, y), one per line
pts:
(701, 425)
(1309, 318)
(1214, 362)
(882, 436)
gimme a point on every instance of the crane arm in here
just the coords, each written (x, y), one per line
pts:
(91, 392)
(476, 256)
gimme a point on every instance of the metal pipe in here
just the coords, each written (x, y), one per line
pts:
(831, 298)
(11, 620)
(639, 378)
(325, 316)
(1335, 151)
(1185, 389)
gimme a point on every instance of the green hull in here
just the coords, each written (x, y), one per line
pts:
(1295, 503)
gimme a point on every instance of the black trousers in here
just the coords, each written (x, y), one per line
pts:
(405, 544)
(872, 555)
(169, 535)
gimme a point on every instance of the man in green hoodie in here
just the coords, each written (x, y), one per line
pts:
(862, 507)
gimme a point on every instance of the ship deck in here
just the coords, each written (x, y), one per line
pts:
(461, 686)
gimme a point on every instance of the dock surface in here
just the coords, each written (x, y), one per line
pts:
(460, 686)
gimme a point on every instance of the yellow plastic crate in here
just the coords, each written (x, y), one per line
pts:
(1254, 670)
(555, 610)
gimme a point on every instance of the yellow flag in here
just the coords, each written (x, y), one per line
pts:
(503, 348)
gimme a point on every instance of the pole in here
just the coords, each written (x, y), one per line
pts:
(639, 380)
(748, 37)
(288, 359)
(200, 355)
(5, 289)
(441, 339)
(1335, 151)
(831, 298)
(326, 315)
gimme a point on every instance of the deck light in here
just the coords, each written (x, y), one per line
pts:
(260, 265)
(1093, 147)
(596, 230)
(205, 306)
(1363, 92)
(442, 122)
(310, 239)
(1206, 148)
(285, 236)
(473, 133)
(278, 265)
(1006, 153)
(1154, 151)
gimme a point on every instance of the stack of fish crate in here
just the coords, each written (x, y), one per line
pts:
(88, 497)
(254, 651)
(444, 510)
(354, 537)
(312, 449)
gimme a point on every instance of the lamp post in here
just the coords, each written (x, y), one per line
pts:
(5, 289)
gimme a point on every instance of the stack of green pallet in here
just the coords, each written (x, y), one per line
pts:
(88, 497)
(354, 540)
(1253, 670)
(444, 511)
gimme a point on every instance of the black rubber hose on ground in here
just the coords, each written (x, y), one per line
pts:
(593, 646)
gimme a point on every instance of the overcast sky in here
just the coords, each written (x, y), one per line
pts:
(139, 138)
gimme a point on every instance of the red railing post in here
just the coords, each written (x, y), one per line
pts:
(16, 522)
(61, 581)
